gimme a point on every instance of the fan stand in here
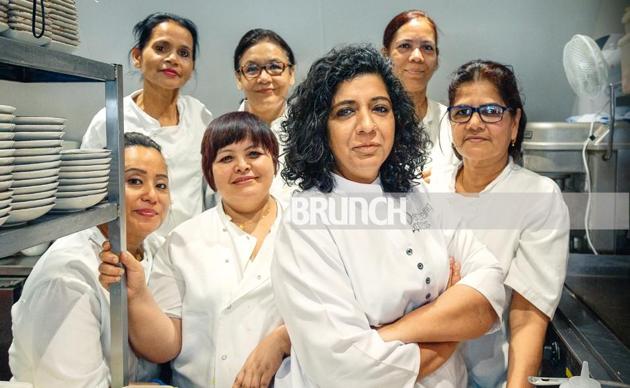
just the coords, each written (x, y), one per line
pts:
(611, 132)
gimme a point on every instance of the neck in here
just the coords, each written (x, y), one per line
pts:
(159, 103)
(267, 112)
(476, 175)
(247, 219)
(420, 102)
(134, 243)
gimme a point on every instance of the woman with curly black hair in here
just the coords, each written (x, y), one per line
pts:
(369, 303)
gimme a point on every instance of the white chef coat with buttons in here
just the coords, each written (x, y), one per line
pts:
(438, 127)
(204, 277)
(61, 323)
(181, 147)
(526, 226)
(334, 286)
(279, 188)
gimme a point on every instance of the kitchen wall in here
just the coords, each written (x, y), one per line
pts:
(528, 34)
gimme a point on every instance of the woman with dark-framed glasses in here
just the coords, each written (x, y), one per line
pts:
(264, 67)
(519, 215)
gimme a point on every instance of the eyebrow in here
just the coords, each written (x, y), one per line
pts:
(228, 149)
(141, 171)
(350, 102)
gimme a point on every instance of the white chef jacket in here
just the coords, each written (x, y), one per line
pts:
(333, 286)
(438, 126)
(204, 277)
(532, 248)
(181, 147)
(61, 323)
(279, 188)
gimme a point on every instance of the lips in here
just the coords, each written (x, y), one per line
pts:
(146, 212)
(366, 148)
(243, 180)
(475, 139)
(265, 90)
(170, 73)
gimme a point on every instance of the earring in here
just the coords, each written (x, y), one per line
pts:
(513, 143)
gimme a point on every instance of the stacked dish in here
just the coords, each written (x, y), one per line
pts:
(4, 15)
(83, 177)
(6, 160)
(36, 160)
(21, 25)
(64, 24)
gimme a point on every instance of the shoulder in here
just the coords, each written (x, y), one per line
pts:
(524, 180)
(200, 225)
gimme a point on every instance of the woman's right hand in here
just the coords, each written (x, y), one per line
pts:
(110, 272)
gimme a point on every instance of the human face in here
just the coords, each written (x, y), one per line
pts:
(243, 173)
(147, 194)
(476, 140)
(361, 127)
(166, 61)
(265, 90)
(413, 53)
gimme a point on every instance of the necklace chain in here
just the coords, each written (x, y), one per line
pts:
(265, 212)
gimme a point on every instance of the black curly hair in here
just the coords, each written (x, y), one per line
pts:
(309, 161)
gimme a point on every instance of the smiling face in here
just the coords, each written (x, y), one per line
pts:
(167, 59)
(265, 89)
(243, 173)
(361, 127)
(147, 195)
(476, 140)
(413, 53)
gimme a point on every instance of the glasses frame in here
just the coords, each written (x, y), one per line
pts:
(477, 110)
(265, 67)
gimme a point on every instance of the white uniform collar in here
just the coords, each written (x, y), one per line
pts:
(343, 185)
(500, 178)
(277, 120)
(181, 108)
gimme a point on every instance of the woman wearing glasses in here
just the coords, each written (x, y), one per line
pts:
(165, 51)
(410, 41)
(264, 66)
(518, 214)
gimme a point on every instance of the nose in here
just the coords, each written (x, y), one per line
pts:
(264, 76)
(149, 194)
(416, 55)
(365, 123)
(242, 165)
(475, 121)
(172, 57)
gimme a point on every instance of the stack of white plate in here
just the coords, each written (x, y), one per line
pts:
(65, 25)
(6, 160)
(36, 164)
(83, 178)
(4, 15)
(20, 23)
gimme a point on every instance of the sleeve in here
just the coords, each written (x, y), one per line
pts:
(61, 331)
(165, 283)
(329, 332)
(95, 136)
(539, 265)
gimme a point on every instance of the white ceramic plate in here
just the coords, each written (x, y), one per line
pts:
(23, 215)
(7, 135)
(7, 160)
(5, 218)
(84, 187)
(6, 177)
(5, 194)
(83, 174)
(6, 144)
(34, 196)
(35, 174)
(86, 162)
(78, 203)
(82, 181)
(36, 159)
(91, 167)
(4, 211)
(32, 203)
(34, 188)
(7, 152)
(6, 127)
(26, 37)
(4, 185)
(82, 154)
(37, 151)
(36, 166)
(73, 194)
(38, 135)
(7, 109)
(39, 120)
(6, 118)
(3, 27)
(37, 143)
(35, 182)
(5, 202)
(5, 170)
(39, 128)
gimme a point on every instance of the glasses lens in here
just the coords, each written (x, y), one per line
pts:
(460, 114)
(275, 68)
(491, 113)
(251, 70)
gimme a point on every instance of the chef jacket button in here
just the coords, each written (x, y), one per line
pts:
(225, 229)
(229, 307)
(428, 296)
(258, 277)
(227, 260)
(224, 357)
(420, 265)
(427, 280)
(409, 251)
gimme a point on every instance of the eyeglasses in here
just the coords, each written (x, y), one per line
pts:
(489, 113)
(253, 70)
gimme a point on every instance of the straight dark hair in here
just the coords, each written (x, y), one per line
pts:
(144, 28)
(255, 36)
(138, 139)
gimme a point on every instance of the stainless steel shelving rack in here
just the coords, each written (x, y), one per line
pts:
(23, 62)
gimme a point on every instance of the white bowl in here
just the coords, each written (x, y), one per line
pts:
(6, 118)
(5, 194)
(90, 167)
(8, 169)
(37, 151)
(6, 144)
(23, 215)
(36, 159)
(83, 174)
(73, 194)
(83, 187)
(37, 143)
(37, 250)
(35, 181)
(5, 185)
(6, 202)
(32, 203)
(6, 177)
(35, 174)
(38, 120)
(85, 153)
(4, 211)
(7, 127)
(7, 109)
(34, 196)
(78, 203)
(7, 160)
(83, 181)
(86, 162)
(34, 188)
(36, 166)
(39, 128)
(4, 136)
(38, 135)
(7, 152)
